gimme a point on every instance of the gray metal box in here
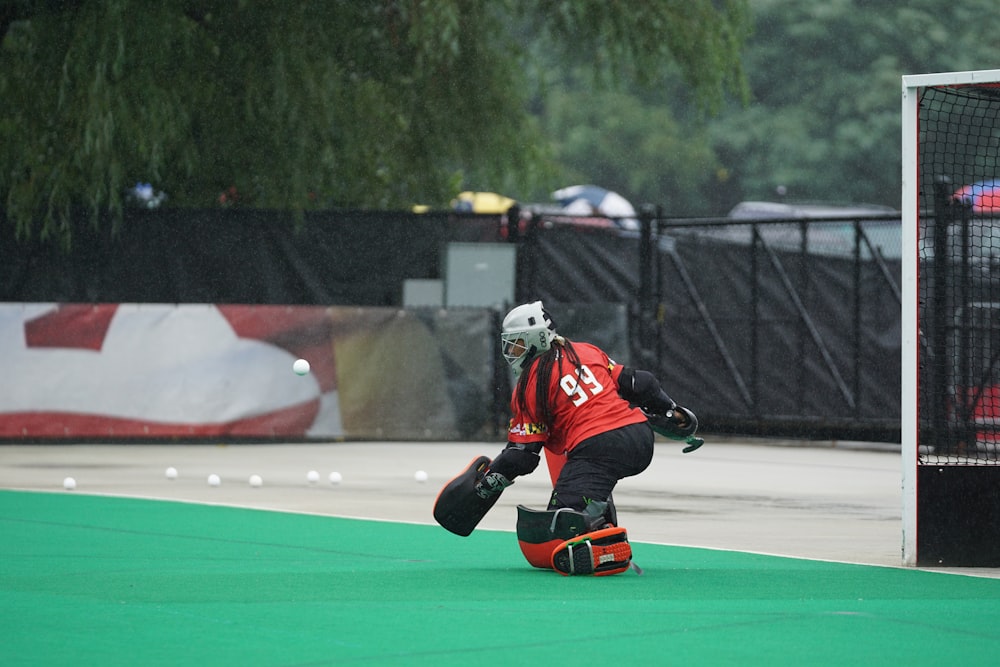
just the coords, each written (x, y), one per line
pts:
(480, 274)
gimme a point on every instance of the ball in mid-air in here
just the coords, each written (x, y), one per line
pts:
(301, 367)
(420, 476)
(336, 478)
(69, 483)
(256, 481)
(213, 480)
(312, 476)
(171, 473)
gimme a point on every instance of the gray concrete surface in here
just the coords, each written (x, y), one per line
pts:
(828, 501)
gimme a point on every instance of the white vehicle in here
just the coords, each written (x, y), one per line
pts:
(829, 229)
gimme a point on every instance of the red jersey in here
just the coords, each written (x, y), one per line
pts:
(582, 406)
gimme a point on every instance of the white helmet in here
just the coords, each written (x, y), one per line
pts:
(527, 331)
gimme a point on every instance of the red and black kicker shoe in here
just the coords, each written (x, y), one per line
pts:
(601, 552)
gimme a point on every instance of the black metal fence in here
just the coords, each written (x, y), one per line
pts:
(777, 326)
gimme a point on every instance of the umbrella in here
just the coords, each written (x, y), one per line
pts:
(593, 200)
(984, 196)
(482, 202)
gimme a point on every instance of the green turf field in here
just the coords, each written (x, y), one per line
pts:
(103, 581)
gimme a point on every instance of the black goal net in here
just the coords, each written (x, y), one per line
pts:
(958, 154)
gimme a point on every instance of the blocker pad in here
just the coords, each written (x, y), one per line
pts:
(458, 508)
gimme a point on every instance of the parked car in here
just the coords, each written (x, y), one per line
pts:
(830, 228)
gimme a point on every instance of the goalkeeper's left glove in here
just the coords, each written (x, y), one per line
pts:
(678, 424)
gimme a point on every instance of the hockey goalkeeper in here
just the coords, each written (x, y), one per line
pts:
(595, 421)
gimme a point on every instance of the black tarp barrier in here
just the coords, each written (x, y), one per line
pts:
(757, 328)
(566, 265)
(758, 334)
(238, 256)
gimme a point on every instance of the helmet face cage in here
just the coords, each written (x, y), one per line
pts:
(527, 332)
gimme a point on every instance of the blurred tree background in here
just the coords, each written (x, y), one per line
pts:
(295, 105)
(823, 118)
(313, 104)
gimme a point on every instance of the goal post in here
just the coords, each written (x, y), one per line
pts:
(950, 380)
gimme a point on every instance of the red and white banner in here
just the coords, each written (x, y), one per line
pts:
(152, 370)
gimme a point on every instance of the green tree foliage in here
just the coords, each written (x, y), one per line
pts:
(309, 103)
(823, 117)
(623, 142)
(825, 77)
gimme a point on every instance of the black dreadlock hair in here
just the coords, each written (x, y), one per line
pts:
(551, 359)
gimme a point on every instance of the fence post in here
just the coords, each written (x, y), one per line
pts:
(646, 301)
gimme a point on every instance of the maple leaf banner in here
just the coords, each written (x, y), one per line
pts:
(138, 371)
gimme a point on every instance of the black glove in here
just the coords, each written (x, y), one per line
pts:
(515, 459)
(492, 484)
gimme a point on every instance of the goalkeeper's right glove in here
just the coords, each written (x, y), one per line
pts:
(678, 424)
(492, 484)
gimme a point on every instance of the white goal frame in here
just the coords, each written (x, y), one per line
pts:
(910, 211)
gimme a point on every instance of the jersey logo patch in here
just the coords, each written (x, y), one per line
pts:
(527, 429)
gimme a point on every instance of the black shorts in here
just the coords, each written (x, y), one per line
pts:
(595, 466)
